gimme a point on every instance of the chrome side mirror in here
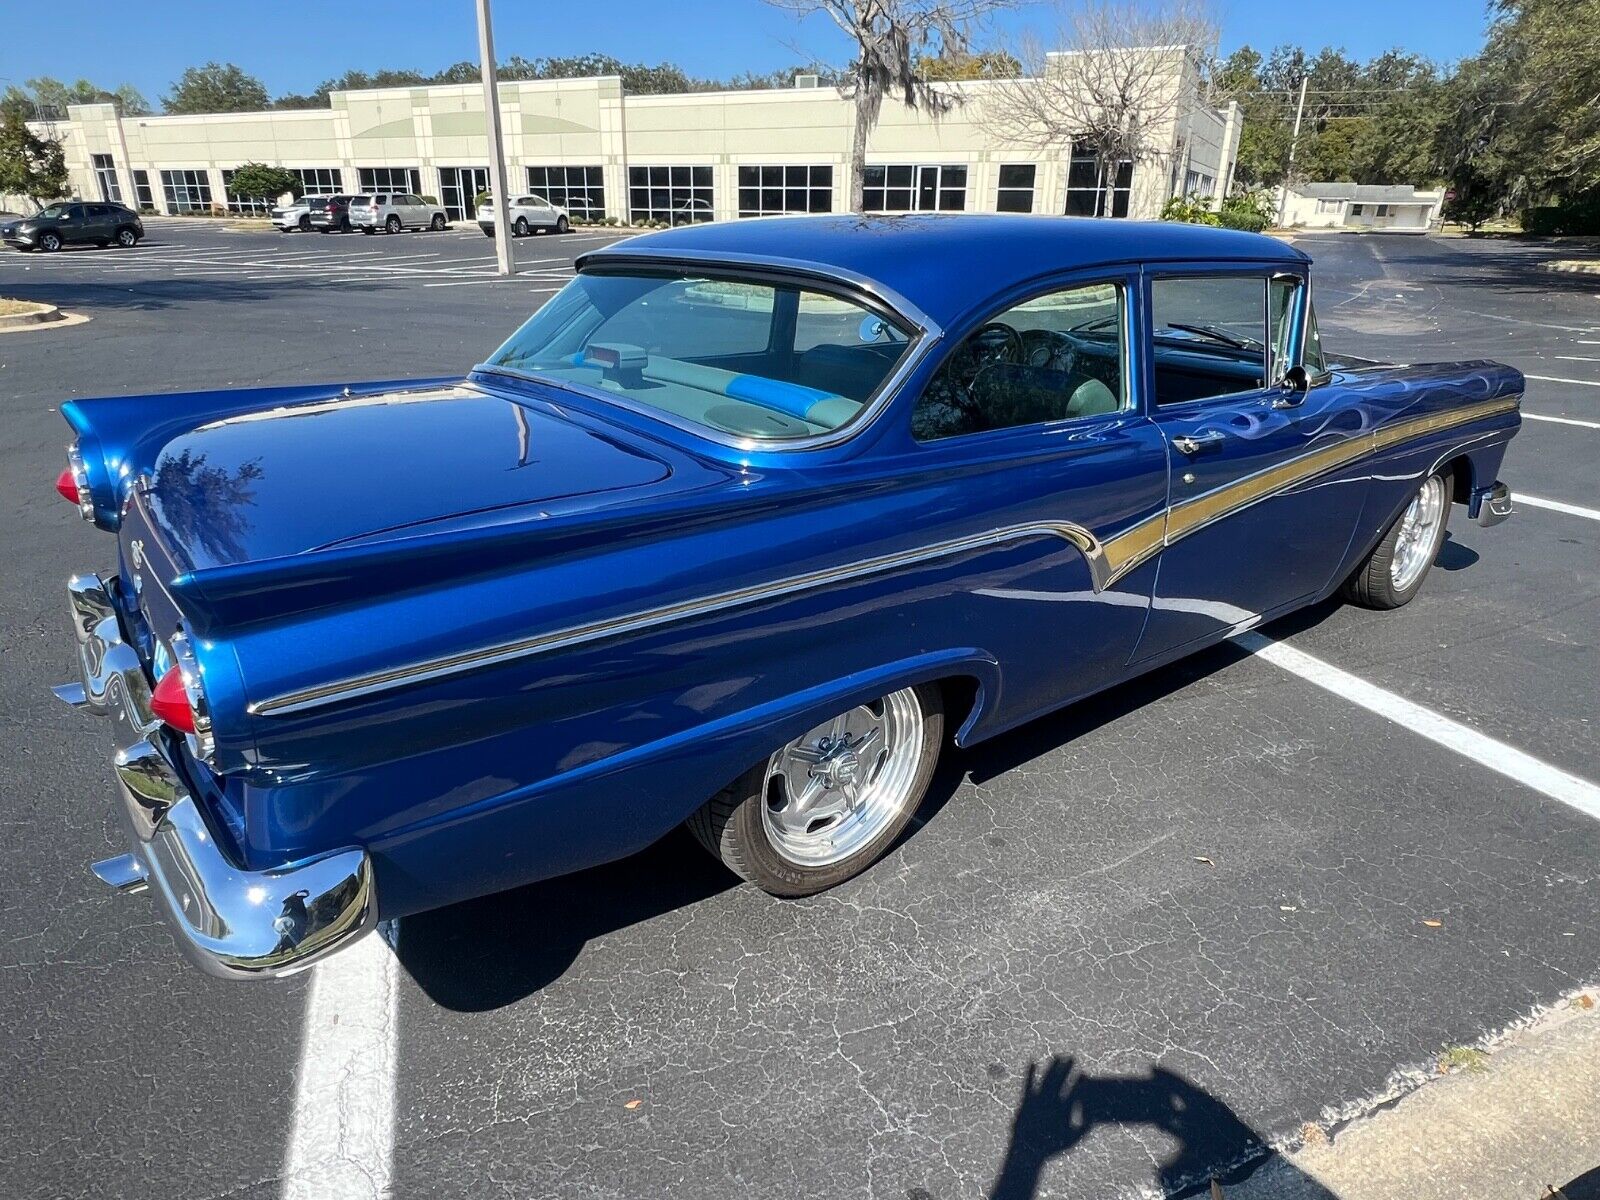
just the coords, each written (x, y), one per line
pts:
(1293, 387)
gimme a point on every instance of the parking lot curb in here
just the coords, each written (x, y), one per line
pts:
(40, 317)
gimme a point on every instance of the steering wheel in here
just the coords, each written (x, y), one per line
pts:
(1049, 350)
(995, 342)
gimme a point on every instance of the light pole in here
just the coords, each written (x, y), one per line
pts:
(497, 163)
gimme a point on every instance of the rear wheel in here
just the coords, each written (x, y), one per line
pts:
(521, 227)
(392, 225)
(304, 224)
(1393, 573)
(827, 805)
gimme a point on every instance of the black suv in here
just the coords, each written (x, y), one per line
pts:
(74, 221)
(330, 214)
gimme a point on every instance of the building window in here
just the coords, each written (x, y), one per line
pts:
(676, 195)
(1198, 183)
(1328, 206)
(186, 191)
(1383, 210)
(1016, 187)
(319, 181)
(1092, 192)
(915, 187)
(579, 190)
(390, 179)
(142, 192)
(1357, 209)
(252, 206)
(105, 173)
(764, 191)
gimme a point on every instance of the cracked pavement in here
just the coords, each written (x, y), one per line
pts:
(1124, 946)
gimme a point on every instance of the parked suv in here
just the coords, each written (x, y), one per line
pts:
(293, 216)
(394, 211)
(330, 214)
(526, 214)
(74, 222)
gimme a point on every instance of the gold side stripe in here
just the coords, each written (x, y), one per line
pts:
(1108, 561)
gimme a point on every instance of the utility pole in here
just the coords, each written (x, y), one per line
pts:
(498, 197)
(1288, 171)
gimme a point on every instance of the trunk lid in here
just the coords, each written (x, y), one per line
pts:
(364, 469)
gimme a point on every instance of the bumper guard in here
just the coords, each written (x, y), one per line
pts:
(232, 923)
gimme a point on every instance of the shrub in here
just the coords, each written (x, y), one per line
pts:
(1191, 210)
(1579, 215)
(1251, 212)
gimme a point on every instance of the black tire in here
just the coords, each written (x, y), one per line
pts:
(368, 230)
(1373, 584)
(562, 225)
(392, 225)
(488, 233)
(437, 224)
(303, 224)
(520, 227)
(50, 241)
(731, 827)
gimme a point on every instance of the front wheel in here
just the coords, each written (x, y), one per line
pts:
(50, 242)
(392, 225)
(437, 224)
(521, 227)
(824, 807)
(1393, 573)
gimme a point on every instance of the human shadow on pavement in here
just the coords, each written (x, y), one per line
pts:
(487, 953)
(1061, 1106)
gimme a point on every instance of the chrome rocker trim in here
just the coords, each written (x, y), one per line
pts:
(232, 923)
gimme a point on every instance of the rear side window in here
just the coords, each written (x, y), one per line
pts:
(1051, 358)
(1210, 336)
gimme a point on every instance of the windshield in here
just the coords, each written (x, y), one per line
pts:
(741, 357)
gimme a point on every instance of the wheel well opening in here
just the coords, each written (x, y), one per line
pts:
(1460, 469)
(960, 695)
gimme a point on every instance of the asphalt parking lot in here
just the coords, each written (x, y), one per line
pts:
(1205, 891)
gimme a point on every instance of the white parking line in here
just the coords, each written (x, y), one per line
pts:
(1572, 510)
(1558, 379)
(1528, 416)
(1505, 760)
(341, 1142)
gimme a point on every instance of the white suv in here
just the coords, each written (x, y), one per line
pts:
(297, 215)
(394, 211)
(527, 213)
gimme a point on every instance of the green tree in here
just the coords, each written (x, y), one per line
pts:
(984, 64)
(255, 179)
(216, 88)
(47, 97)
(30, 165)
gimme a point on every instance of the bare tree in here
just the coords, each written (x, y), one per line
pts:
(1117, 84)
(891, 38)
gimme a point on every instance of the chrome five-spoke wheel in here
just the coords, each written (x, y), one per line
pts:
(824, 806)
(1419, 529)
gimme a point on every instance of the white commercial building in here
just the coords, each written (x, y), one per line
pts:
(1391, 208)
(587, 145)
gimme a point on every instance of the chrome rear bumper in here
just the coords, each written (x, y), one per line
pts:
(1491, 505)
(232, 923)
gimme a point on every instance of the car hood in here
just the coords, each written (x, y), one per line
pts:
(265, 485)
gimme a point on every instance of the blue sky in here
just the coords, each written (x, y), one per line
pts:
(705, 37)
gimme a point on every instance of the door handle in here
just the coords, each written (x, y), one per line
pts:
(1198, 443)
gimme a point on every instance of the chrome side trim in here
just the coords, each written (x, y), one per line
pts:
(355, 687)
(1108, 562)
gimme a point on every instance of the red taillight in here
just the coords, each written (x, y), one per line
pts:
(169, 702)
(67, 485)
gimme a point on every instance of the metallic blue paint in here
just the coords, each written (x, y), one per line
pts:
(412, 522)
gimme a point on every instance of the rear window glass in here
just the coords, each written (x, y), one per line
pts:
(360, 199)
(740, 357)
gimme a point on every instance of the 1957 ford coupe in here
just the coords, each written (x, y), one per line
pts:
(737, 530)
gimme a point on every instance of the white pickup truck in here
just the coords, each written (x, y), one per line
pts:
(527, 214)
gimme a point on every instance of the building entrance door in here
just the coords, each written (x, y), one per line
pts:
(458, 186)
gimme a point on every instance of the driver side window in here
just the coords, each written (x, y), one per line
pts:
(1051, 358)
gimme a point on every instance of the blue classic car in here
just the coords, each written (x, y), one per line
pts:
(739, 530)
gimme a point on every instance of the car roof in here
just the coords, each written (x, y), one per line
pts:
(934, 260)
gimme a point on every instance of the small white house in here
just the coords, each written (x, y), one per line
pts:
(1398, 208)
